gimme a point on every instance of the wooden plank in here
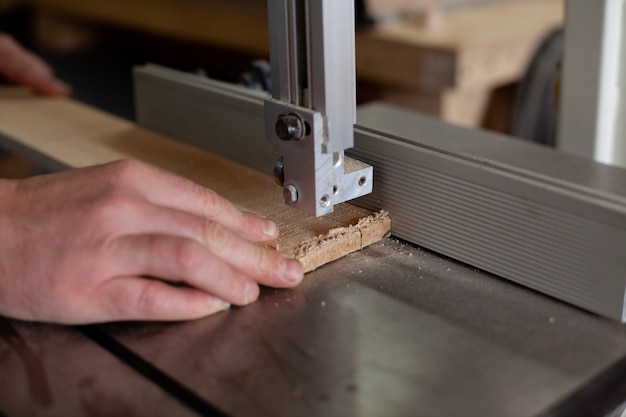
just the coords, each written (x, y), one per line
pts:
(68, 134)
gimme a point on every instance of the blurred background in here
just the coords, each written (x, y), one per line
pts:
(490, 64)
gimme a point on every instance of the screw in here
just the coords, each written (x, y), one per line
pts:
(290, 193)
(279, 171)
(290, 127)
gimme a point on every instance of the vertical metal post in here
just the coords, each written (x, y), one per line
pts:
(312, 113)
(333, 69)
(593, 96)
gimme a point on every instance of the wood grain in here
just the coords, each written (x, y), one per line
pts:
(65, 133)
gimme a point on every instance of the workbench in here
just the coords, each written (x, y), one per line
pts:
(449, 70)
(389, 330)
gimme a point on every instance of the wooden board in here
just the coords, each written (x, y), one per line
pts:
(65, 133)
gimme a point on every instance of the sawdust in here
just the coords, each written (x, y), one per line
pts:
(321, 249)
(340, 233)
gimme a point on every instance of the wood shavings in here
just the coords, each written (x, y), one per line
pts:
(342, 240)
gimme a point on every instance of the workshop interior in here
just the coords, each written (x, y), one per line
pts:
(480, 145)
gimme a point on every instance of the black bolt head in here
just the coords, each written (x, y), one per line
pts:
(290, 127)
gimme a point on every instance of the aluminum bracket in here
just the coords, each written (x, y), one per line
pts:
(311, 114)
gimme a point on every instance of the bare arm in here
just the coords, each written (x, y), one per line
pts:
(106, 243)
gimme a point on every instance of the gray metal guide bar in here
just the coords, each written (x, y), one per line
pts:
(551, 222)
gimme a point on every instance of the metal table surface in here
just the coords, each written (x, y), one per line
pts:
(392, 330)
(48, 370)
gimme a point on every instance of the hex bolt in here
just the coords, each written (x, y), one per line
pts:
(290, 127)
(290, 193)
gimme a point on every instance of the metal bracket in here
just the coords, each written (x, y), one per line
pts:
(313, 181)
(310, 117)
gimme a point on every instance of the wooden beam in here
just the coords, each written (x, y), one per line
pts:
(63, 133)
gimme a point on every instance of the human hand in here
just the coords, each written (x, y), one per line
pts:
(23, 67)
(79, 246)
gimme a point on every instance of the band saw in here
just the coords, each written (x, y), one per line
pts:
(421, 323)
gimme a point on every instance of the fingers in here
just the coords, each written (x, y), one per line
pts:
(208, 204)
(216, 283)
(41, 80)
(263, 265)
(182, 194)
(183, 260)
(134, 298)
(21, 66)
